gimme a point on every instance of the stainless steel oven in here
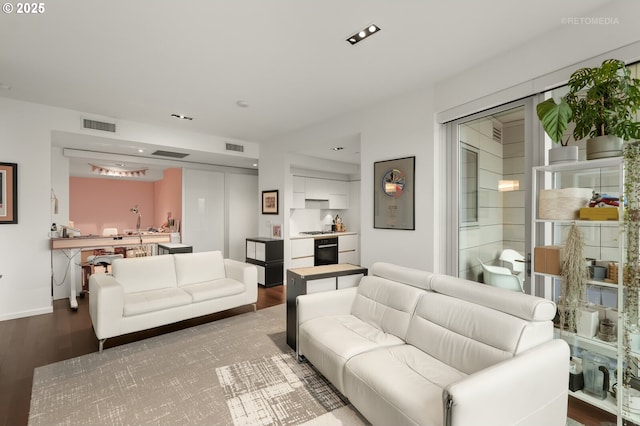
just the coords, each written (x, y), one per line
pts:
(326, 251)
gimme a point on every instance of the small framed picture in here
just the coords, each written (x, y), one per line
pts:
(270, 202)
(8, 193)
(276, 230)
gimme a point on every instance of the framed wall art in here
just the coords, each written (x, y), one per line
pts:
(394, 194)
(270, 202)
(8, 193)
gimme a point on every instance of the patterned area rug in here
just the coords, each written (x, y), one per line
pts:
(237, 371)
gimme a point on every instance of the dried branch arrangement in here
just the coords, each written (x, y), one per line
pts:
(575, 274)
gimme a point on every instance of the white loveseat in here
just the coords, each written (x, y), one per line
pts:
(146, 292)
(409, 347)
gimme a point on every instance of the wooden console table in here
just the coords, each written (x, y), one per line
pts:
(76, 244)
(314, 280)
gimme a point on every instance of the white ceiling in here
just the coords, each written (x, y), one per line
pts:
(288, 59)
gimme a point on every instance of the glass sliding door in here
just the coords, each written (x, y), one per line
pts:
(490, 160)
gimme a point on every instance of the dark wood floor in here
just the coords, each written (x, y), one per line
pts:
(31, 342)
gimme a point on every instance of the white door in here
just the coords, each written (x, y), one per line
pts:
(203, 211)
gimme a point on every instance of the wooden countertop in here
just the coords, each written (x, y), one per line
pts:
(94, 241)
(329, 270)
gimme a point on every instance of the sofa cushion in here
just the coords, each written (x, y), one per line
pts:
(329, 342)
(402, 274)
(523, 306)
(385, 304)
(214, 289)
(470, 337)
(400, 385)
(193, 268)
(137, 274)
(155, 300)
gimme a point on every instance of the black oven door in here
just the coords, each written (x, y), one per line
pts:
(326, 251)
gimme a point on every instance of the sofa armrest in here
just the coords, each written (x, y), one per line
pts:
(245, 273)
(106, 305)
(528, 389)
(326, 303)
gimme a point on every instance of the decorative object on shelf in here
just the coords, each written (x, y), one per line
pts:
(394, 194)
(562, 204)
(604, 101)
(631, 269)
(276, 230)
(270, 202)
(574, 275)
(8, 193)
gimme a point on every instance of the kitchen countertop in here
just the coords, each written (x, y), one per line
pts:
(323, 235)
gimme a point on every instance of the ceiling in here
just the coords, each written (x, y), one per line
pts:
(286, 59)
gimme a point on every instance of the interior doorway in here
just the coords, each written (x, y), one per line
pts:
(490, 154)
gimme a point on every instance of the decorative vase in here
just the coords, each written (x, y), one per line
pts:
(563, 154)
(604, 147)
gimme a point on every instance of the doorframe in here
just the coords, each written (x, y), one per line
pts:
(534, 144)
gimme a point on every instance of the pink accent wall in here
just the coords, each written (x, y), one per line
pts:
(168, 196)
(95, 204)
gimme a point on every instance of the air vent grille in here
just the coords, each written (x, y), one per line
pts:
(98, 125)
(497, 134)
(169, 154)
(235, 147)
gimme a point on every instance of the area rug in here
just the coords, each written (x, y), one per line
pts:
(234, 371)
(237, 370)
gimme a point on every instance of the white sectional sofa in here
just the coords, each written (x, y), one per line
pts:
(146, 292)
(409, 347)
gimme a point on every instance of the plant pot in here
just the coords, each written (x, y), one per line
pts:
(604, 147)
(563, 154)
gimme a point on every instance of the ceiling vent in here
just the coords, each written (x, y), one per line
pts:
(497, 134)
(235, 147)
(99, 125)
(169, 154)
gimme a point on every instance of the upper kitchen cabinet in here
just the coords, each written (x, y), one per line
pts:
(334, 192)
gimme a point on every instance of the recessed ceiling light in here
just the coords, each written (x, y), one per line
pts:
(242, 104)
(141, 150)
(337, 148)
(181, 117)
(362, 34)
(255, 164)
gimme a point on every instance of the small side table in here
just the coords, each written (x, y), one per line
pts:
(172, 248)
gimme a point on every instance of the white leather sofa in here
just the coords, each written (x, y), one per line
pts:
(409, 347)
(146, 292)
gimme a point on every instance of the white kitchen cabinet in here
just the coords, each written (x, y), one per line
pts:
(302, 247)
(348, 257)
(302, 262)
(316, 189)
(298, 192)
(348, 249)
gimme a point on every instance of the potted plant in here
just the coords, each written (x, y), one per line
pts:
(604, 101)
(555, 118)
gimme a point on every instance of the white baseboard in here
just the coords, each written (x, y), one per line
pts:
(30, 313)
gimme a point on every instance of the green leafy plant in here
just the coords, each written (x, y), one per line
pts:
(604, 101)
(601, 101)
(555, 117)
